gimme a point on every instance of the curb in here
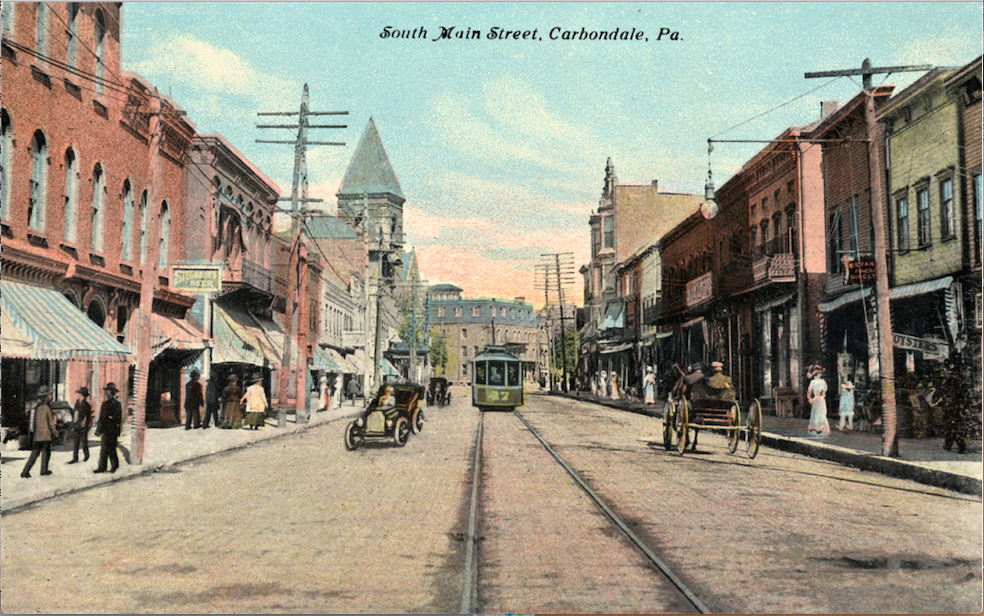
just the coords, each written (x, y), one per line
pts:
(107, 478)
(848, 457)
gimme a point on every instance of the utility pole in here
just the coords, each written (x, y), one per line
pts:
(296, 308)
(563, 269)
(875, 133)
(148, 283)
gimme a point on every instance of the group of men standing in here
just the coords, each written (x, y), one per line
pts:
(44, 429)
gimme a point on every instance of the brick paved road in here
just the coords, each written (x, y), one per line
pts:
(291, 525)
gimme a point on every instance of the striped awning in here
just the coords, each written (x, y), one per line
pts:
(333, 360)
(169, 333)
(47, 326)
(323, 361)
(358, 361)
(843, 300)
(16, 344)
(613, 318)
(386, 368)
(918, 288)
(239, 339)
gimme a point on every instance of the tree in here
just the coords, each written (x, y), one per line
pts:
(439, 356)
(565, 353)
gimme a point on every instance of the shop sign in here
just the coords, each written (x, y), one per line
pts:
(700, 289)
(860, 270)
(929, 347)
(197, 279)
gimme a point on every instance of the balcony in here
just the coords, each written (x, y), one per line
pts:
(260, 277)
(777, 268)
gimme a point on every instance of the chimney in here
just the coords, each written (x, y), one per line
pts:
(520, 299)
(827, 108)
(656, 185)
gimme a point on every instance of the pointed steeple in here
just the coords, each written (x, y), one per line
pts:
(369, 171)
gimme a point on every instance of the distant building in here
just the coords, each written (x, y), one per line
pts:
(466, 326)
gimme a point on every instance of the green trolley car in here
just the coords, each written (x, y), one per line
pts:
(497, 380)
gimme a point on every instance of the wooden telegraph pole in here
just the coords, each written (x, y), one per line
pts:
(875, 132)
(297, 317)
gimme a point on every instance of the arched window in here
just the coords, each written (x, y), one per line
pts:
(71, 196)
(6, 157)
(96, 313)
(165, 234)
(777, 233)
(791, 240)
(39, 181)
(42, 36)
(98, 207)
(73, 35)
(100, 38)
(144, 227)
(127, 252)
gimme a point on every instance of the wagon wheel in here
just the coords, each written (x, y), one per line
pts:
(734, 427)
(401, 432)
(353, 437)
(417, 422)
(683, 431)
(754, 429)
(668, 417)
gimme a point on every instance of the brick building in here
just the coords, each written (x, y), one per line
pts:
(78, 196)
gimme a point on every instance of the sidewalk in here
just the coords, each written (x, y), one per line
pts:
(921, 460)
(165, 448)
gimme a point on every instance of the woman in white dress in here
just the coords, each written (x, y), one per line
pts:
(817, 396)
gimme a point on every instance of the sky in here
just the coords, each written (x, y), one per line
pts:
(500, 145)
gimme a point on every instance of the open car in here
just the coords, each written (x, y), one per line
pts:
(393, 413)
(439, 392)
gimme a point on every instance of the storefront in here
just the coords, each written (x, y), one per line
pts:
(176, 344)
(47, 341)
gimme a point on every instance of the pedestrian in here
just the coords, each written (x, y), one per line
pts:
(650, 385)
(83, 423)
(352, 389)
(193, 402)
(846, 407)
(256, 405)
(232, 412)
(323, 396)
(955, 403)
(816, 395)
(615, 389)
(43, 429)
(109, 426)
(211, 404)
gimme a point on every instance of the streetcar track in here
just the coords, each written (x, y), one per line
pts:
(469, 587)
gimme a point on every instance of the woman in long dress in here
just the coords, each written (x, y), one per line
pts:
(323, 394)
(650, 385)
(232, 412)
(256, 405)
(816, 395)
(847, 406)
(615, 389)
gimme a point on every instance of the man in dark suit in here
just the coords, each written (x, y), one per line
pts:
(43, 429)
(83, 422)
(109, 426)
(193, 402)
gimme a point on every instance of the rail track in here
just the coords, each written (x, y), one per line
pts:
(473, 565)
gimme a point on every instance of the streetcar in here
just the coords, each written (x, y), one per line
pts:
(497, 380)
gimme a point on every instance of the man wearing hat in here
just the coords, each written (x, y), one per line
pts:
(193, 402)
(44, 430)
(109, 426)
(83, 422)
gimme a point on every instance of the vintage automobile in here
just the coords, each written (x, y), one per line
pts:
(393, 413)
(439, 392)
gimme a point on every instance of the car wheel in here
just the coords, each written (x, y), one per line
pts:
(353, 437)
(418, 421)
(401, 432)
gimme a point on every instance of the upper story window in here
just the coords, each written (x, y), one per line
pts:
(609, 232)
(39, 181)
(128, 205)
(902, 222)
(6, 154)
(71, 195)
(947, 222)
(457, 311)
(836, 246)
(440, 311)
(144, 226)
(42, 35)
(98, 207)
(73, 35)
(502, 312)
(165, 234)
(852, 222)
(976, 187)
(476, 311)
(922, 213)
(464, 332)
(100, 33)
(7, 17)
